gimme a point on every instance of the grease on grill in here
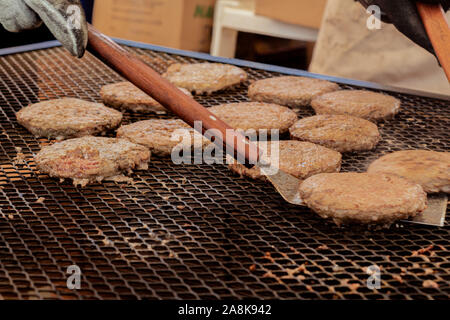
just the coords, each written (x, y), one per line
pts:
(203, 251)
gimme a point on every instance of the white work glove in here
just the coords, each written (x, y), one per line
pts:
(64, 18)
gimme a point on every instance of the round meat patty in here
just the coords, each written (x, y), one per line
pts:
(126, 96)
(68, 118)
(300, 159)
(358, 103)
(289, 91)
(341, 133)
(90, 159)
(156, 134)
(430, 169)
(256, 116)
(204, 77)
(362, 197)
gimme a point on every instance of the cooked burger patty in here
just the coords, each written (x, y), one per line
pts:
(204, 77)
(156, 134)
(358, 103)
(126, 96)
(89, 159)
(430, 169)
(341, 133)
(300, 159)
(289, 91)
(362, 197)
(256, 116)
(68, 118)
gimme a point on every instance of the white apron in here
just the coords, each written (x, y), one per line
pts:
(347, 48)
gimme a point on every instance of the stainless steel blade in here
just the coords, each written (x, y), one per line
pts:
(287, 185)
(434, 214)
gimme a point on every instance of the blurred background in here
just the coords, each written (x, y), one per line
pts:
(327, 37)
(183, 24)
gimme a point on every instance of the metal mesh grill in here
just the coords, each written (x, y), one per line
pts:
(194, 231)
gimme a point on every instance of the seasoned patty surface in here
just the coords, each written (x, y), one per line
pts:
(430, 169)
(89, 159)
(338, 132)
(289, 91)
(362, 197)
(358, 103)
(256, 116)
(68, 118)
(126, 96)
(300, 159)
(157, 135)
(204, 77)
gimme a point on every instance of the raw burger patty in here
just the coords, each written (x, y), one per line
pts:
(68, 118)
(256, 116)
(358, 103)
(126, 96)
(204, 77)
(156, 135)
(341, 133)
(289, 91)
(430, 169)
(89, 159)
(362, 197)
(300, 159)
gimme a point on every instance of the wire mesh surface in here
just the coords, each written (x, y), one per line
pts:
(195, 231)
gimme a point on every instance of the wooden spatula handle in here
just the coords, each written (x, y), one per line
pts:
(149, 81)
(436, 25)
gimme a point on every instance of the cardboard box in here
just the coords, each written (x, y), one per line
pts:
(306, 13)
(182, 24)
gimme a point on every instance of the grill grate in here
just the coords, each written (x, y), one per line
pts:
(194, 231)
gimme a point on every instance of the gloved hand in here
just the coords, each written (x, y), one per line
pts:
(64, 18)
(403, 14)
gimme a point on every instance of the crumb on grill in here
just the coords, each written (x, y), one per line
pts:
(430, 284)
(20, 157)
(268, 256)
(40, 200)
(423, 250)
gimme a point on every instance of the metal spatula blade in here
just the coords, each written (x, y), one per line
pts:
(434, 214)
(288, 187)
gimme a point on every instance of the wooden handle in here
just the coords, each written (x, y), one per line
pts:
(435, 23)
(149, 81)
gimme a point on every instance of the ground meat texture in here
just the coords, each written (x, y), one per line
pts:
(68, 118)
(362, 197)
(90, 159)
(341, 133)
(157, 135)
(125, 96)
(300, 159)
(364, 104)
(289, 91)
(256, 116)
(430, 169)
(205, 77)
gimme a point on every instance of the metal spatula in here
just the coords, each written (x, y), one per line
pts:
(436, 25)
(148, 80)
(288, 186)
